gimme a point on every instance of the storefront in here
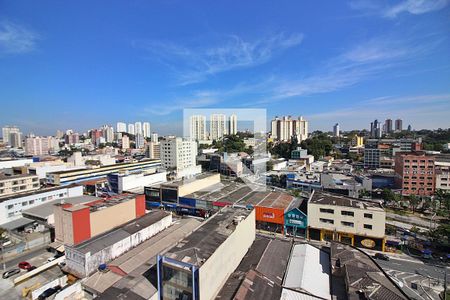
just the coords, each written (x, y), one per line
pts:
(270, 219)
(295, 223)
(347, 238)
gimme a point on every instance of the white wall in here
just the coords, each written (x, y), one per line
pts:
(133, 181)
(8, 214)
(6, 164)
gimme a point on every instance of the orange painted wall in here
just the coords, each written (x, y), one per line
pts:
(270, 215)
(81, 225)
(140, 205)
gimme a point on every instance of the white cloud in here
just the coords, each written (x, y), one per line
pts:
(203, 99)
(16, 39)
(415, 7)
(195, 64)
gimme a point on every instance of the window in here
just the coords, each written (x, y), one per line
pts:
(24, 203)
(31, 202)
(347, 213)
(327, 210)
(348, 224)
(10, 206)
(326, 221)
(367, 226)
(368, 216)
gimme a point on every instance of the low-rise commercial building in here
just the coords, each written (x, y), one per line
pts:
(11, 207)
(12, 184)
(77, 223)
(11, 163)
(85, 258)
(125, 181)
(271, 209)
(199, 266)
(415, 173)
(74, 176)
(339, 218)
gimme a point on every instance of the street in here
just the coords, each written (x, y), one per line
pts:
(429, 278)
(15, 261)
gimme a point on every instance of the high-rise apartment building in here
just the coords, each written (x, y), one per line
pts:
(375, 130)
(197, 127)
(388, 126)
(232, 126)
(178, 154)
(282, 129)
(218, 126)
(108, 133)
(398, 125)
(131, 129)
(41, 145)
(16, 138)
(154, 137)
(139, 141)
(72, 138)
(146, 129)
(336, 131)
(415, 173)
(137, 127)
(121, 127)
(125, 142)
(153, 150)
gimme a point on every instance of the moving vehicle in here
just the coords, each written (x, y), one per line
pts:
(381, 256)
(10, 273)
(24, 265)
(49, 292)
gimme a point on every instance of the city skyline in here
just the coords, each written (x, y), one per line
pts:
(354, 61)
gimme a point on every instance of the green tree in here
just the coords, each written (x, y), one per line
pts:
(414, 201)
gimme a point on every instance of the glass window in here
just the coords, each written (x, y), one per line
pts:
(347, 213)
(327, 210)
(326, 221)
(348, 224)
(368, 216)
(367, 226)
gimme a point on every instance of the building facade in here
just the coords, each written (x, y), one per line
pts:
(41, 145)
(218, 126)
(12, 184)
(232, 126)
(348, 220)
(442, 169)
(198, 127)
(178, 154)
(415, 173)
(282, 129)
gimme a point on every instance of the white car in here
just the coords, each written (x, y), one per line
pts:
(50, 259)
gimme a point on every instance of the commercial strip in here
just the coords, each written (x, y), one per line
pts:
(338, 218)
(74, 176)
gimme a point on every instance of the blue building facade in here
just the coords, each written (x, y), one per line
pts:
(295, 223)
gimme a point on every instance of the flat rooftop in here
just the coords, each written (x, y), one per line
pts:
(44, 210)
(319, 197)
(99, 169)
(114, 235)
(182, 182)
(260, 273)
(100, 203)
(202, 243)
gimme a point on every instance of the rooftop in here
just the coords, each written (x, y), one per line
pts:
(100, 203)
(3, 176)
(182, 182)
(202, 243)
(36, 192)
(44, 210)
(260, 273)
(114, 235)
(117, 165)
(362, 274)
(319, 197)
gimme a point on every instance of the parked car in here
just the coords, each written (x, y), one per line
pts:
(10, 273)
(24, 265)
(381, 256)
(49, 292)
(51, 259)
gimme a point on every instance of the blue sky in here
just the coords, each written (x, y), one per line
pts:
(83, 64)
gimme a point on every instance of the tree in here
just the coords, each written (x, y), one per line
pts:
(414, 201)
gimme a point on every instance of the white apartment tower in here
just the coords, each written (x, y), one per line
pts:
(218, 126)
(125, 142)
(41, 145)
(121, 127)
(146, 129)
(154, 137)
(282, 129)
(232, 124)
(138, 128)
(139, 141)
(198, 127)
(7, 131)
(131, 129)
(178, 153)
(336, 130)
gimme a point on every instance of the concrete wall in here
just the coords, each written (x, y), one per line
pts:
(85, 264)
(378, 220)
(215, 271)
(62, 281)
(7, 164)
(112, 216)
(199, 184)
(140, 180)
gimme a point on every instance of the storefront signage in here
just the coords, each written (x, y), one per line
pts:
(368, 243)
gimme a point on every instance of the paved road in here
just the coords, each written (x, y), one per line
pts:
(15, 261)
(429, 278)
(411, 220)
